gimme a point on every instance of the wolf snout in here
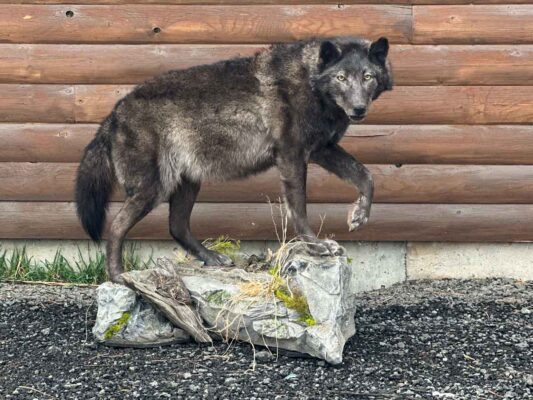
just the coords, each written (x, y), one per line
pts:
(358, 113)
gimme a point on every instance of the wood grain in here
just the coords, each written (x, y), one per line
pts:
(447, 184)
(258, 2)
(378, 144)
(39, 103)
(442, 144)
(389, 222)
(473, 24)
(198, 24)
(404, 105)
(103, 64)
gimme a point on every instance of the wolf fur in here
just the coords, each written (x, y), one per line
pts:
(286, 106)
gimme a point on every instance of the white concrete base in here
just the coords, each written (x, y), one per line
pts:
(375, 264)
(469, 260)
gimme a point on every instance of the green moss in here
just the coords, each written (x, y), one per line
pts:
(117, 326)
(218, 297)
(310, 321)
(349, 259)
(225, 245)
(298, 303)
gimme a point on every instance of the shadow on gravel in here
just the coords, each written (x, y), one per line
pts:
(426, 340)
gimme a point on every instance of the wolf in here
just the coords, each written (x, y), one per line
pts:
(286, 106)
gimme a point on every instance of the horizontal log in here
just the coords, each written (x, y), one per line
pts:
(404, 105)
(389, 222)
(198, 24)
(446, 184)
(441, 144)
(413, 65)
(377, 144)
(473, 24)
(257, 2)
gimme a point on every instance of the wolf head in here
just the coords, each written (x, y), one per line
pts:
(352, 73)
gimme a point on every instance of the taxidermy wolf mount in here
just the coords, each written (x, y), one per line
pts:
(286, 106)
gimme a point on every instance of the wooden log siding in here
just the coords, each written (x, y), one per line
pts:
(404, 105)
(199, 24)
(376, 144)
(450, 148)
(413, 65)
(492, 184)
(389, 222)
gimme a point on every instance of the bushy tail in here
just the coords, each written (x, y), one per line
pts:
(95, 181)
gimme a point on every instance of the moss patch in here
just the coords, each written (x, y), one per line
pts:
(218, 297)
(296, 302)
(117, 326)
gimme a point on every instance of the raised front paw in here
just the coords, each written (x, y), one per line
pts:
(359, 214)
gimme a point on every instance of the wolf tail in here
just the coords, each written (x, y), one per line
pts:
(95, 181)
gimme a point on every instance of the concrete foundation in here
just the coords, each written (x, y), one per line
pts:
(375, 264)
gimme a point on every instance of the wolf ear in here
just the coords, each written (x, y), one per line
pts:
(329, 53)
(379, 50)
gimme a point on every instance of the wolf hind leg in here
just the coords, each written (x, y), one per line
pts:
(134, 209)
(181, 205)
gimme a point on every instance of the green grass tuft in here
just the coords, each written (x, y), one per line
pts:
(297, 302)
(224, 245)
(16, 265)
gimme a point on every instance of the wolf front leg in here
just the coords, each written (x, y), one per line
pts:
(293, 174)
(293, 171)
(336, 160)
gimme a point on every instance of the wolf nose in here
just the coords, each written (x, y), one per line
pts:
(359, 111)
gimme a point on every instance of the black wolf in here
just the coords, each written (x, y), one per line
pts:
(286, 106)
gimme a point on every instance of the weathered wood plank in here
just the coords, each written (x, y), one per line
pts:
(473, 24)
(413, 65)
(44, 142)
(198, 24)
(378, 144)
(404, 105)
(258, 2)
(389, 222)
(447, 184)
(41, 103)
(442, 144)
(454, 105)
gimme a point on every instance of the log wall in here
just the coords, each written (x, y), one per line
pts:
(451, 148)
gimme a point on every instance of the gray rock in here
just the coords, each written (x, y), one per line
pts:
(233, 312)
(136, 323)
(256, 307)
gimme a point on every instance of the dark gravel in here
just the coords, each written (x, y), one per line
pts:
(426, 340)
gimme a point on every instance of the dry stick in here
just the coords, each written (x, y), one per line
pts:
(86, 320)
(87, 285)
(35, 390)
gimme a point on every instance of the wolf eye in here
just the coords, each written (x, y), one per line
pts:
(341, 77)
(367, 76)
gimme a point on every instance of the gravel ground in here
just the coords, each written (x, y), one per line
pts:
(420, 340)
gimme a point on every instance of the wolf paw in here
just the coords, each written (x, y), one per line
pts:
(325, 247)
(214, 259)
(359, 214)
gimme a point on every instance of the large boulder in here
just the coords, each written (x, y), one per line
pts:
(302, 303)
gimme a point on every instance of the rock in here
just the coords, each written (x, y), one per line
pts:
(236, 304)
(264, 356)
(125, 319)
(302, 306)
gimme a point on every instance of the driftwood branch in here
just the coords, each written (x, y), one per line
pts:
(164, 288)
